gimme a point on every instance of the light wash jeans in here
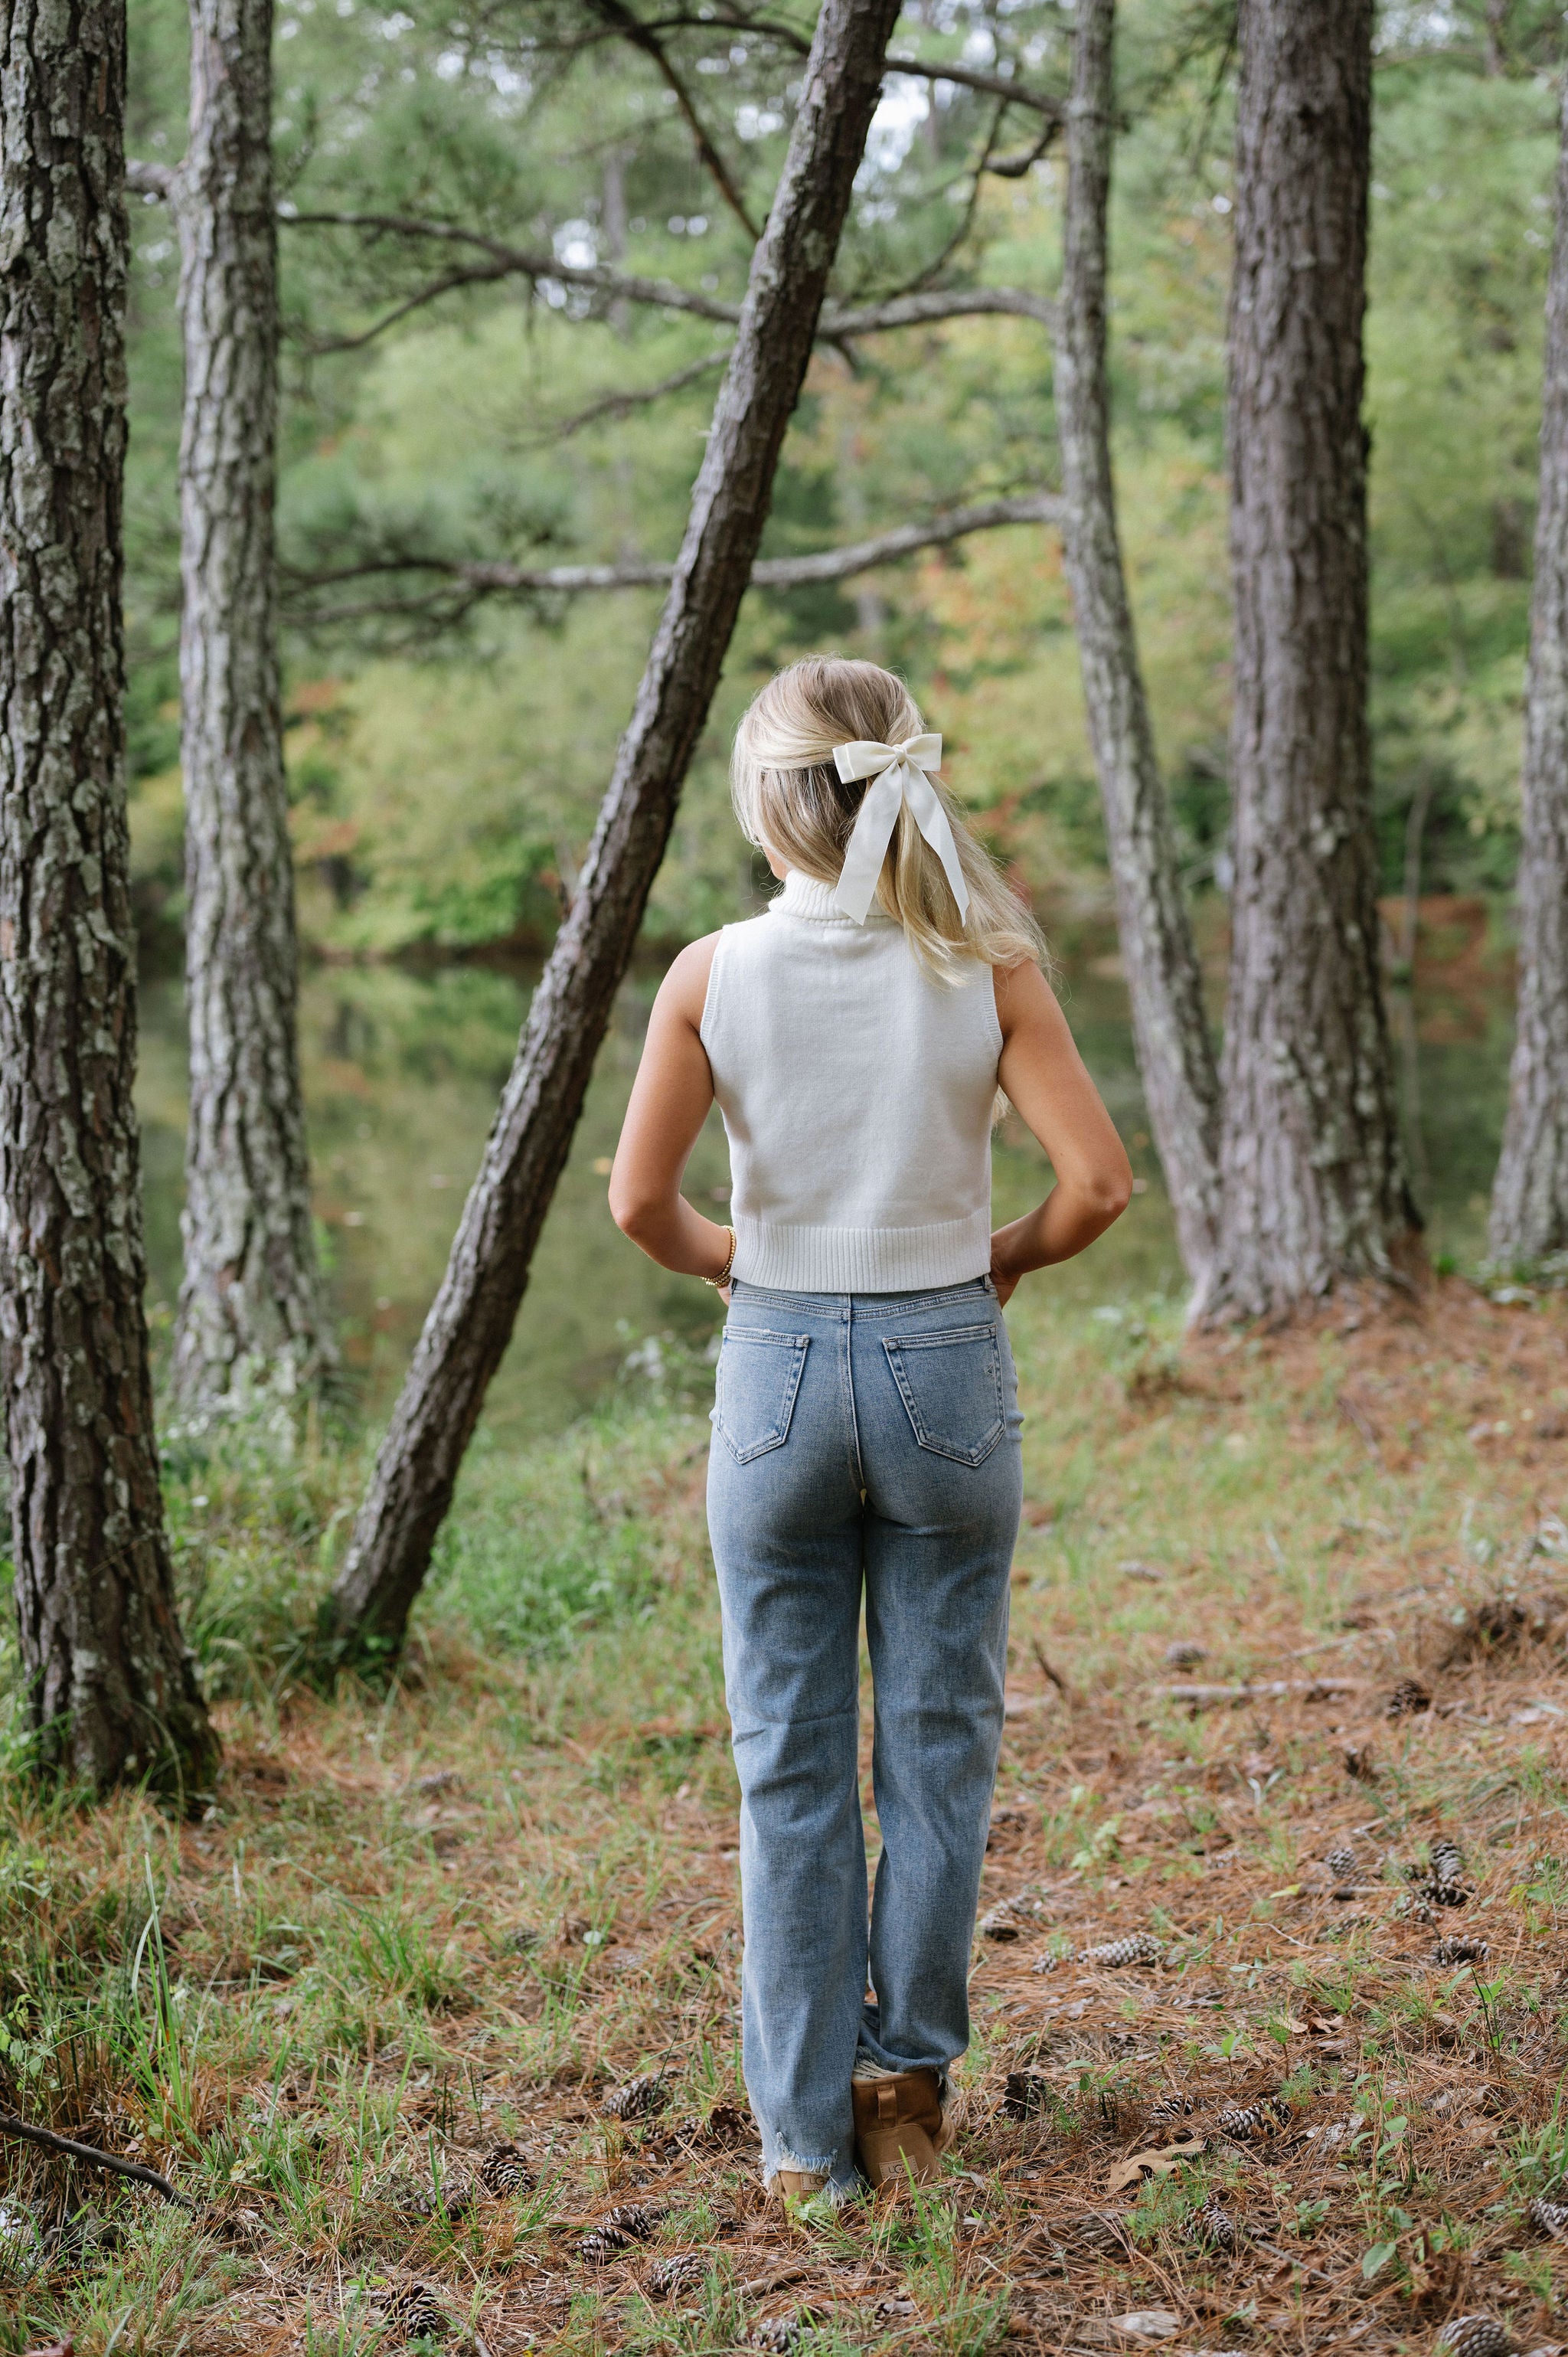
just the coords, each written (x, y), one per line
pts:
(860, 1437)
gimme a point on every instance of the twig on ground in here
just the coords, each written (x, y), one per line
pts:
(24, 2130)
(1054, 1677)
(1274, 2253)
(1261, 1689)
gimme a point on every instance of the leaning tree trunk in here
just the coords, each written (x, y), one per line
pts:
(1175, 1055)
(1530, 1198)
(471, 1320)
(251, 1303)
(1312, 1186)
(112, 1688)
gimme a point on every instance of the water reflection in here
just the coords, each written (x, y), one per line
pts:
(403, 1071)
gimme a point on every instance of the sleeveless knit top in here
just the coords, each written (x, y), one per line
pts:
(856, 1094)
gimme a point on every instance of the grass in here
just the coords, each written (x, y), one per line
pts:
(421, 1924)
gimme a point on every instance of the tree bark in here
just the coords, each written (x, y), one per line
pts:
(1530, 1196)
(471, 1320)
(1312, 1185)
(250, 1304)
(1175, 1054)
(113, 1691)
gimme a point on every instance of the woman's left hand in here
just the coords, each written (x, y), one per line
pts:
(1006, 1287)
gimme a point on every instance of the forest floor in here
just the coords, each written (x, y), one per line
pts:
(413, 1930)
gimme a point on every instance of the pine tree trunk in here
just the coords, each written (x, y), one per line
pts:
(471, 1320)
(1175, 1054)
(1529, 1197)
(1312, 1186)
(249, 1305)
(112, 1687)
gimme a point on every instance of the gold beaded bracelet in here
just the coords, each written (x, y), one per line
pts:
(719, 1282)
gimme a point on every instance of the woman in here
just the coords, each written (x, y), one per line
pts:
(866, 1425)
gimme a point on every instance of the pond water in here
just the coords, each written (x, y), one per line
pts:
(402, 1069)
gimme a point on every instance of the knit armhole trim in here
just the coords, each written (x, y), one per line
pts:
(710, 996)
(996, 1019)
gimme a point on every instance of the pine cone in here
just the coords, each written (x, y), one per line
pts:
(1173, 2106)
(1458, 1950)
(1447, 1862)
(681, 2270)
(1549, 2217)
(1214, 2225)
(1051, 1959)
(421, 2196)
(638, 2098)
(1183, 1654)
(1137, 1948)
(725, 2126)
(504, 2170)
(637, 2218)
(603, 2244)
(1408, 1697)
(1027, 2094)
(1476, 2336)
(1099, 2232)
(1443, 1894)
(414, 2310)
(1247, 2123)
(778, 2334)
(1341, 1863)
(1007, 1919)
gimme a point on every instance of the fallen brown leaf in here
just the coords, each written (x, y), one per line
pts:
(1157, 2161)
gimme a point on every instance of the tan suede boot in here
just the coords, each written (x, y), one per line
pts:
(795, 2184)
(900, 2130)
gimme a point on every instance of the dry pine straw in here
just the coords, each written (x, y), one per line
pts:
(1391, 1513)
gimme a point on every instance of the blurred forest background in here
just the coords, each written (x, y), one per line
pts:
(446, 771)
(447, 753)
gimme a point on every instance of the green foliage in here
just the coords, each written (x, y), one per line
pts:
(448, 759)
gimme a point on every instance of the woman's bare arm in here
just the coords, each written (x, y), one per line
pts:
(1046, 1082)
(670, 1101)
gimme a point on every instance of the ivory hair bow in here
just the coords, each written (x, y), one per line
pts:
(898, 774)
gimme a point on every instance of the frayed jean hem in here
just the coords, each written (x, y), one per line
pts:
(837, 2190)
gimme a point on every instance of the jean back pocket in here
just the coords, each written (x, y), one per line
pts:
(759, 1375)
(951, 1384)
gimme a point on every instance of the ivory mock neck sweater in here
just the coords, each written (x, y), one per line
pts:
(856, 1094)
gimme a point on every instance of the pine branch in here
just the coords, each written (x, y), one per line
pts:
(502, 261)
(642, 38)
(151, 180)
(1013, 168)
(1018, 94)
(474, 578)
(941, 303)
(622, 404)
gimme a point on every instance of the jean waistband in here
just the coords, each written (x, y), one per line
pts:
(974, 1289)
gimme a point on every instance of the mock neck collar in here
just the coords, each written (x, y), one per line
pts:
(805, 897)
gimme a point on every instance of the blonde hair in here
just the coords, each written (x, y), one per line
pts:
(790, 801)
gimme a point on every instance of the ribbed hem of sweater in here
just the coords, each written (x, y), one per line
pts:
(861, 1260)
